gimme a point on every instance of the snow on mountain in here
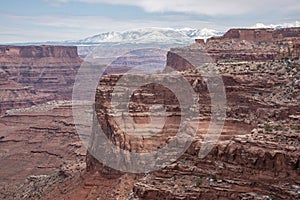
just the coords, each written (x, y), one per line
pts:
(156, 36)
(277, 26)
(152, 35)
(200, 33)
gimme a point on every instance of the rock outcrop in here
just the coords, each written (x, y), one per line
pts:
(36, 74)
(17, 53)
(39, 149)
(242, 45)
(262, 163)
(257, 155)
(260, 35)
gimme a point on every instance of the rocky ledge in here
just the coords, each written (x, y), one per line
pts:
(36, 74)
(257, 155)
(239, 45)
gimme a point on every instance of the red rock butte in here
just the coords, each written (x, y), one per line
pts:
(36, 74)
(239, 45)
(260, 35)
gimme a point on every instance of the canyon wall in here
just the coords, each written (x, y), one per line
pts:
(36, 74)
(257, 155)
(37, 52)
(244, 45)
(260, 35)
(39, 144)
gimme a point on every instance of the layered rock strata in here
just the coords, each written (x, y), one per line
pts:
(257, 155)
(36, 74)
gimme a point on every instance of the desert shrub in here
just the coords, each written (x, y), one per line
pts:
(268, 128)
(199, 181)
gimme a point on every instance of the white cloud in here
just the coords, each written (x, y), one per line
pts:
(208, 7)
(102, 23)
(72, 27)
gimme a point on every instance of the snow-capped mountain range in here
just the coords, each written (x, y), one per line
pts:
(141, 37)
(151, 35)
(156, 36)
(277, 26)
(183, 36)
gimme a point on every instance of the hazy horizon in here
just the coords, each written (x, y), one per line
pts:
(60, 20)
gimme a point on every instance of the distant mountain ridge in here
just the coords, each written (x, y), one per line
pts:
(277, 26)
(182, 36)
(152, 35)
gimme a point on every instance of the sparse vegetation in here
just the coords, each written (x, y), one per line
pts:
(268, 128)
(259, 66)
(274, 197)
(199, 181)
(295, 127)
(278, 128)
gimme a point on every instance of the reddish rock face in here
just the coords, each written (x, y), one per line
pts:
(260, 35)
(36, 74)
(37, 134)
(240, 45)
(257, 155)
(39, 52)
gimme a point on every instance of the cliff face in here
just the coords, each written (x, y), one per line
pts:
(38, 52)
(32, 74)
(260, 35)
(243, 45)
(40, 148)
(39, 144)
(257, 155)
(262, 92)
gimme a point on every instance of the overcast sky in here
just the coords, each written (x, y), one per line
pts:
(56, 20)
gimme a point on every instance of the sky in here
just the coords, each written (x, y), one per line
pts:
(60, 20)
